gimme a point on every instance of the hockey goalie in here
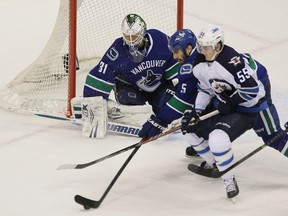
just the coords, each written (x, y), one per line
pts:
(140, 69)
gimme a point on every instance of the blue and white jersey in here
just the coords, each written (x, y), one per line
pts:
(261, 71)
(185, 93)
(153, 70)
(229, 72)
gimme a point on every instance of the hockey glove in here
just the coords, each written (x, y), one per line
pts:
(152, 127)
(189, 114)
(225, 105)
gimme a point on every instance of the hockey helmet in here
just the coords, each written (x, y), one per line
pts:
(181, 39)
(210, 35)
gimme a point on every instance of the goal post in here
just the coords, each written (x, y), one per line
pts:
(83, 31)
(72, 54)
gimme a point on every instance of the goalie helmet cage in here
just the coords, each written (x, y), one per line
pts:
(88, 28)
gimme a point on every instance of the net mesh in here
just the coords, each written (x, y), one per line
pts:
(43, 86)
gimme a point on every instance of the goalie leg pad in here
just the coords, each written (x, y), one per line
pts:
(94, 117)
(135, 115)
(76, 107)
(129, 109)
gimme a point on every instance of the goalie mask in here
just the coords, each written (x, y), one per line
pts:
(134, 30)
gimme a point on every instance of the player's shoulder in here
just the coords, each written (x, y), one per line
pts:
(157, 35)
(156, 32)
(226, 53)
(199, 58)
(230, 59)
(187, 66)
(115, 51)
(118, 43)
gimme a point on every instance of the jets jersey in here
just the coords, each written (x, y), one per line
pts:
(153, 70)
(185, 93)
(261, 71)
(229, 72)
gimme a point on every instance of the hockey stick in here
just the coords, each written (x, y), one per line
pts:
(217, 174)
(84, 165)
(88, 203)
(112, 127)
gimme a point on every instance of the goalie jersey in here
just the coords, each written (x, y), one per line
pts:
(156, 67)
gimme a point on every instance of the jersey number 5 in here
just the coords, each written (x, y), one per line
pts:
(183, 88)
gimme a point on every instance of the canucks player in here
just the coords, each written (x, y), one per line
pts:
(186, 89)
(139, 67)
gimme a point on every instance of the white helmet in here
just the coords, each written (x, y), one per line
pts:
(210, 35)
(133, 29)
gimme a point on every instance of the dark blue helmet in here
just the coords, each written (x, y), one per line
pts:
(181, 39)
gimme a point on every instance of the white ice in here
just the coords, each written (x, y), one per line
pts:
(156, 181)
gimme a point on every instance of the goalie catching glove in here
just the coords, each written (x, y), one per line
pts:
(152, 127)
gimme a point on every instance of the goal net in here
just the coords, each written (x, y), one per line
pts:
(48, 84)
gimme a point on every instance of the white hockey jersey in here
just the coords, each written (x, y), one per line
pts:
(230, 73)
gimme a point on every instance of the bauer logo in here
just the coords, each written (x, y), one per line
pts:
(122, 129)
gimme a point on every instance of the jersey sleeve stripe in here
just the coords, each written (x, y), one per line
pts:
(97, 84)
(178, 105)
(97, 89)
(172, 71)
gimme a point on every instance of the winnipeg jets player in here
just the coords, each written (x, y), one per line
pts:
(139, 67)
(225, 77)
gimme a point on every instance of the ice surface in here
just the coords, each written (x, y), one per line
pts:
(156, 181)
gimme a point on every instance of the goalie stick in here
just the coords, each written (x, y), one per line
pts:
(88, 203)
(213, 173)
(112, 127)
(84, 165)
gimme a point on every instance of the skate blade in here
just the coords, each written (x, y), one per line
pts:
(233, 200)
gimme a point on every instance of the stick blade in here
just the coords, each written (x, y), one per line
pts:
(204, 172)
(86, 203)
(67, 166)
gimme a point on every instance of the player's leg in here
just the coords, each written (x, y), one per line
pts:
(228, 128)
(268, 124)
(160, 97)
(202, 129)
(201, 147)
(131, 102)
(127, 94)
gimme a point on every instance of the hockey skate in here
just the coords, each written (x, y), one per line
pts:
(231, 187)
(190, 152)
